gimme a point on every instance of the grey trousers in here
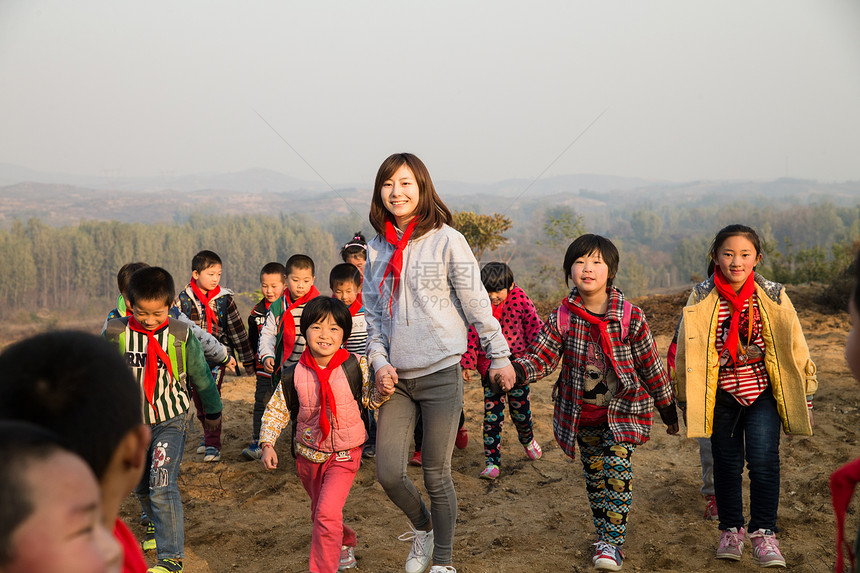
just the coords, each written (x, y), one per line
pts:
(439, 397)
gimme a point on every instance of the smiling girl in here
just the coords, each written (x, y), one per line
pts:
(422, 289)
(611, 377)
(324, 394)
(743, 368)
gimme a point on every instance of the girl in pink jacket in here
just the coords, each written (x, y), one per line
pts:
(325, 395)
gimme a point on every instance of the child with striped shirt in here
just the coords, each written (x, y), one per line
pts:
(162, 353)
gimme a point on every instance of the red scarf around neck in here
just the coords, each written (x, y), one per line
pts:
(600, 323)
(327, 400)
(205, 299)
(289, 334)
(736, 302)
(355, 307)
(154, 351)
(395, 263)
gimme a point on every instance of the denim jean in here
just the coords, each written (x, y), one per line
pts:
(158, 490)
(707, 459)
(751, 432)
(439, 399)
(262, 394)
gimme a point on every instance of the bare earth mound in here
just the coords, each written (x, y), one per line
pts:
(535, 517)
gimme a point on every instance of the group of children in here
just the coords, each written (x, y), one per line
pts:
(403, 346)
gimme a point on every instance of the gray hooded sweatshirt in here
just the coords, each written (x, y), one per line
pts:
(439, 296)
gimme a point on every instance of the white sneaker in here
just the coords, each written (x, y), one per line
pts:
(442, 569)
(421, 552)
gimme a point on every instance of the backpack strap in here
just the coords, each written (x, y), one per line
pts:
(179, 331)
(291, 397)
(563, 319)
(115, 331)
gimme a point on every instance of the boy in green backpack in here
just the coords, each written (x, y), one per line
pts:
(161, 353)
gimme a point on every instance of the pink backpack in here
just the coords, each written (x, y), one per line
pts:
(563, 317)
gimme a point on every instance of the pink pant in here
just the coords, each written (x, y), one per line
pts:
(328, 486)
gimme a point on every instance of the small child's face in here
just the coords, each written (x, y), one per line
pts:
(208, 278)
(590, 274)
(737, 258)
(358, 261)
(272, 286)
(498, 297)
(150, 313)
(346, 292)
(852, 343)
(65, 531)
(324, 338)
(299, 281)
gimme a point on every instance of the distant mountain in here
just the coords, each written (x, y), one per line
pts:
(256, 180)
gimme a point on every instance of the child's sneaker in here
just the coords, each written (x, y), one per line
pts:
(211, 454)
(415, 460)
(711, 512)
(201, 449)
(766, 548)
(731, 544)
(347, 558)
(166, 566)
(462, 439)
(442, 569)
(149, 538)
(369, 451)
(533, 450)
(252, 452)
(490, 472)
(421, 552)
(607, 557)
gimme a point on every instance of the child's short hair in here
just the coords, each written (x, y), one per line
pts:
(320, 307)
(274, 269)
(357, 247)
(342, 273)
(21, 444)
(497, 276)
(125, 273)
(151, 283)
(76, 385)
(298, 262)
(586, 244)
(205, 259)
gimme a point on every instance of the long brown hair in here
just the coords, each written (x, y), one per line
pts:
(431, 212)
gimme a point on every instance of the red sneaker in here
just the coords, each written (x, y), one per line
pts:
(415, 460)
(462, 439)
(711, 512)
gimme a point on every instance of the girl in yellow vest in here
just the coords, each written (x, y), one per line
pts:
(743, 368)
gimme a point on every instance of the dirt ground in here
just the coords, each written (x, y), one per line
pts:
(535, 517)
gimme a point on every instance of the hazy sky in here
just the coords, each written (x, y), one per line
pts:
(482, 91)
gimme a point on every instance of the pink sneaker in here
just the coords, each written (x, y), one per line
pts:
(766, 548)
(711, 512)
(490, 472)
(731, 544)
(533, 450)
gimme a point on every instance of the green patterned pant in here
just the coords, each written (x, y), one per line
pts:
(608, 480)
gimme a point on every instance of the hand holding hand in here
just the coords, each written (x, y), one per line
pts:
(467, 375)
(386, 378)
(269, 458)
(505, 377)
(231, 363)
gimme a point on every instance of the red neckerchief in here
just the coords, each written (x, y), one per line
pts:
(211, 319)
(736, 301)
(395, 263)
(601, 324)
(267, 304)
(326, 393)
(154, 351)
(289, 337)
(842, 483)
(355, 306)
